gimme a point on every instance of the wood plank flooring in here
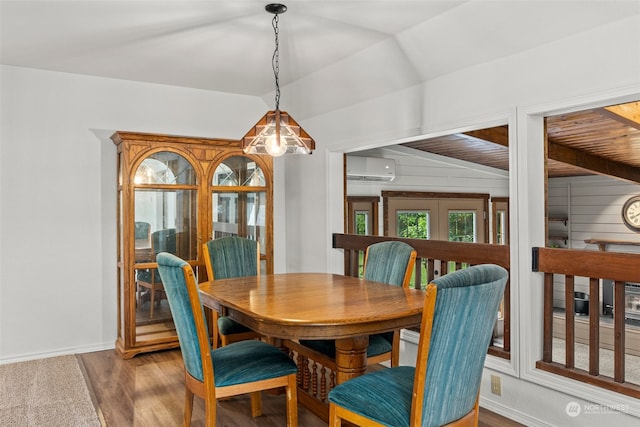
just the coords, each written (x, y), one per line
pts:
(148, 391)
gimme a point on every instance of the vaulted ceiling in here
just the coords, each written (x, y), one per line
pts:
(366, 48)
(347, 51)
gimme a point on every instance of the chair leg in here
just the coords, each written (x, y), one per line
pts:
(395, 349)
(216, 332)
(256, 404)
(188, 408)
(334, 420)
(224, 340)
(153, 294)
(210, 410)
(292, 401)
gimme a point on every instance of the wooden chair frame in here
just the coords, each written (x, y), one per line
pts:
(207, 389)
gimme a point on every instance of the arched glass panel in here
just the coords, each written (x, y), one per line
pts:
(165, 221)
(239, 171)
(165, 168)
(241, 211)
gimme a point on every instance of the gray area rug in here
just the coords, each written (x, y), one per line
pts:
(48, 392)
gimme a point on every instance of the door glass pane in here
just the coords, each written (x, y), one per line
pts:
(362, 222)
(501, 227)
(462, 226)
(412, 224)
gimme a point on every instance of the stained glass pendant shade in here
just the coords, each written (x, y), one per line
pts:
(277, 133)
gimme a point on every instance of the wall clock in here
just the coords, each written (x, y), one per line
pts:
(631, 213)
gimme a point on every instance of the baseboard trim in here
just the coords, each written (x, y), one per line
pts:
(512, 414)
(60, 352)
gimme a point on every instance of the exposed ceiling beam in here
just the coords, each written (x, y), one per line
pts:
(628, 113)
(594, 163)
(498, 135)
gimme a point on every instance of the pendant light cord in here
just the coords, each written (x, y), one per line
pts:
(275, 60)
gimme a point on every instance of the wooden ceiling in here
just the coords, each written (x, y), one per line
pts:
(602, 141)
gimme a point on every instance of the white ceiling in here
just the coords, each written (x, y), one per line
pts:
(227, 45)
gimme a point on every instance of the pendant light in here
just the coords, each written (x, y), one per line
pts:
(276, 133)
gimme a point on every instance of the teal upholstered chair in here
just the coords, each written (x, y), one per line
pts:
(239, 368)
(142, 231)
(161, 241)
(392, 263)
(443, 388)
(225, 258)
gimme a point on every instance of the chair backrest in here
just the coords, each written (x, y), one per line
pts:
(164, 241)
(233, 256)
(389, 262)
(453, 347)
(188, 314)
(142, 230)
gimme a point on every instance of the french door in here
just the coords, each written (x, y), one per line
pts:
(436, 216)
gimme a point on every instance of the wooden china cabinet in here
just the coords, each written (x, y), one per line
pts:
(174, 194)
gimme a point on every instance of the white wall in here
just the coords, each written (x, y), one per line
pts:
(57, 224)
(594, 208)
(599, 66)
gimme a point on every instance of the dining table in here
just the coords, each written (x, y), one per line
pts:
(295, 306)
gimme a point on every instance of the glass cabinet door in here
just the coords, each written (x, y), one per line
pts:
(165, 212)
(239, 202)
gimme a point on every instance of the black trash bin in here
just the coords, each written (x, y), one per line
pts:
(581, 303)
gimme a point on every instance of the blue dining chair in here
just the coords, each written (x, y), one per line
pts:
(238, 368)
(443, 389)
(225, 258)
(390, 262)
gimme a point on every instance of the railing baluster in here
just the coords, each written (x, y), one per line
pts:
(547, 340)
(594, 326)
(431, 270)
(418, 274)
(618, 331)
(569, 322)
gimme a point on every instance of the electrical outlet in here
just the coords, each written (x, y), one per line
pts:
(496, 387)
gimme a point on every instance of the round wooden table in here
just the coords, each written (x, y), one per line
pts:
(318, 306)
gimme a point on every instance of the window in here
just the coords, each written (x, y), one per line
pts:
(412, 224)
(462, 226)
(362, 222)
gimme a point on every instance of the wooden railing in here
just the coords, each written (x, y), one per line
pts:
(436, 255)
(592, 267)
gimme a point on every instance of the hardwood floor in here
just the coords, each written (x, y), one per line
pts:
(148, 391)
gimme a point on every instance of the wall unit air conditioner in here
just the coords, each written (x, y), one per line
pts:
(370, 169)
